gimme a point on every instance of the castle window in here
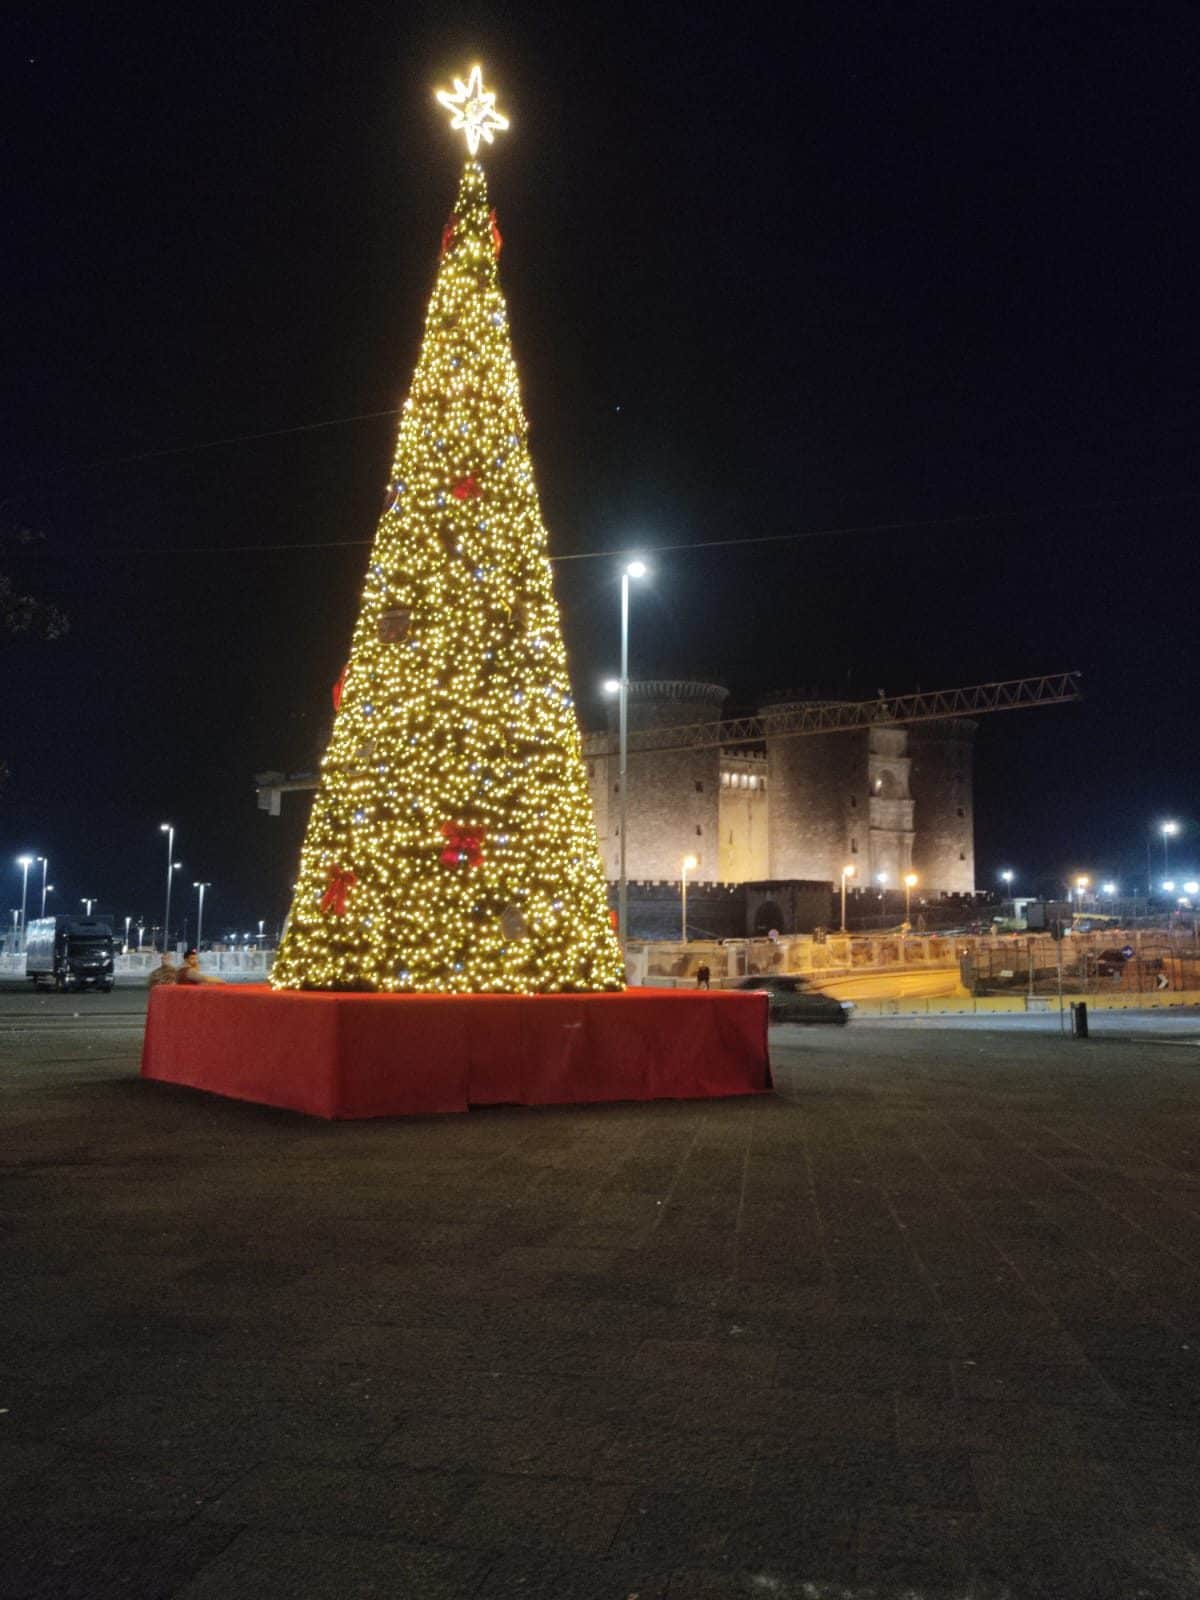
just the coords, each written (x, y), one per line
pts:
(591, 769)
(724, 780)
(961, 812)
(962, 855)
(854, 847)
(616, 788)
(699, 829)
(699, 787)
(853, 803)
(754, 780)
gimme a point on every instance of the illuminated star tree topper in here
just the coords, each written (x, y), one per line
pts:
(474, 110)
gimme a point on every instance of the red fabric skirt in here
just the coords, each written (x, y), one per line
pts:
(372, 1055)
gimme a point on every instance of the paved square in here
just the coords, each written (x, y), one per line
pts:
(927, 1323)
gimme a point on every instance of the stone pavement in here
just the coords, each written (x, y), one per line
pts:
(926, 1323)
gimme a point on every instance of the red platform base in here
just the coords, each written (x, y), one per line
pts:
(372, 1055)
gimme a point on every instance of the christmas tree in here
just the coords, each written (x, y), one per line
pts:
(451, 845)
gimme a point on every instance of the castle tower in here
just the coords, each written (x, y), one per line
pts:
(674, 795)
(942, 788)
(819, 817)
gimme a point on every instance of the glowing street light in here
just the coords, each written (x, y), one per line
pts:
(1191, 887)
(631, 569)
(46, 887)
(1081, 884)
(1168, 885)
(1168, 831)
(1006, 877)
(169, 829)
(910, 883)
(200, 888)
(688, 864)
(87, 902)
(128, 920)
(24, 862)
(847, 872)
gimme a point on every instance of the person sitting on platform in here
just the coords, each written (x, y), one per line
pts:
(166, 972)
(190, 972)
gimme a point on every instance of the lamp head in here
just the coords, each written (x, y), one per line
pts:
(25, 861)
(165, 827)
(1169, 886)
(689, 862)
(1169, 829)
(849, 871)
(911, 880)
(611, 685)
(636, 569)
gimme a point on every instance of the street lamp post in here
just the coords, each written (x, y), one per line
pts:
(881, 879)
(1168, 831)
(1006, 877)
(632, 569)
(1081, 884)
(87, 902)
(688, 864)
(169, 829)
(128, 920)
(910, 883)
(24, 862)
(200, 888)
(847, 872)
(45, 886)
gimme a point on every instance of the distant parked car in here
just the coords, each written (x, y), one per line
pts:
(793, 1000)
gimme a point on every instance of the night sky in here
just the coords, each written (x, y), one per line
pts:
(769, 272)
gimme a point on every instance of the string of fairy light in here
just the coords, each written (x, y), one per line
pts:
(451, 847)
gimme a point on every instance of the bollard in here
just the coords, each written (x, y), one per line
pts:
(1079, 1022)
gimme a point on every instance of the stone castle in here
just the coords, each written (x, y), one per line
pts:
(890, 800)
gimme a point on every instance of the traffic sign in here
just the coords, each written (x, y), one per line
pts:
(1127, 952)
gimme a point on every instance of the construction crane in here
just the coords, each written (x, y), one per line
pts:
(792, 721)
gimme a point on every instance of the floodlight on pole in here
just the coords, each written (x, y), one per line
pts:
(46, 887)
(87, 902)
(1006, 878)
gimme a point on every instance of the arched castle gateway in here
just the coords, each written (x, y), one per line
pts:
(789, 810)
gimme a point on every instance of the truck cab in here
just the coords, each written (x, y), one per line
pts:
(69, 953)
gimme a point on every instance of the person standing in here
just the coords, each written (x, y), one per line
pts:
(703, 975)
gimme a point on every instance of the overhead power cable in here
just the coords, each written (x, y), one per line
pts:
(896, 526)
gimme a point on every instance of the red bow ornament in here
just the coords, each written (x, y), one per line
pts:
(497, 240)
(464, 845)
(338, 886)
(466, 489)
(448, 234)
(339, 686)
